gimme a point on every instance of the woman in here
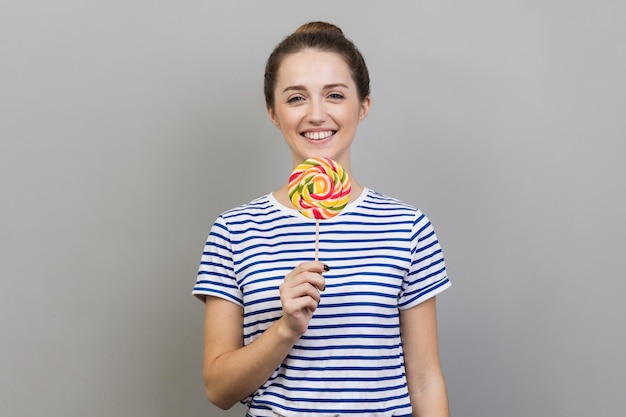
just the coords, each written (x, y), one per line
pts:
(354, 333)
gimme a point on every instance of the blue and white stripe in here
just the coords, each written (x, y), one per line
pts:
(384, 256)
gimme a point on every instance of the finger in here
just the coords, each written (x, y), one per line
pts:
(294, 306)
(308, 272)
(311, 278)
(304, 289)
(312, 266)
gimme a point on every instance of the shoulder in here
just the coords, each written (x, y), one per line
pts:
(376, 204)
(261, 215)
(378, 201)
(257, 207)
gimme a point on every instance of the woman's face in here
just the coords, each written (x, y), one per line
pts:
(317, 106)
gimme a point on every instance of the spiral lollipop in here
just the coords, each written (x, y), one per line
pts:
(319, 188)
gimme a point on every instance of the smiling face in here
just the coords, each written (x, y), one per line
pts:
(316, 106)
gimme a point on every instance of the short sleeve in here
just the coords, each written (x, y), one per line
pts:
(216, 275)
(427, 274)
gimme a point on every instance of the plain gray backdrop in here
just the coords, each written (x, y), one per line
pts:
(127, 126)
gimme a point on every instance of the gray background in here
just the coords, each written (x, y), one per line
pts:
(127, 126)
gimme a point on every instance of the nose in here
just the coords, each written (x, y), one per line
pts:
(317, 111)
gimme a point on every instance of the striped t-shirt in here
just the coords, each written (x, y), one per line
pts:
(384, 256)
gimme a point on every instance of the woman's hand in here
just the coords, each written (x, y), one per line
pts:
(231, 370)
(300, 296)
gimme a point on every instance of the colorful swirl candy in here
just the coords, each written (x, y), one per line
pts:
(319, 188)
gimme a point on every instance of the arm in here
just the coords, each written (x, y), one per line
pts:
(427, 388)
(232, 371)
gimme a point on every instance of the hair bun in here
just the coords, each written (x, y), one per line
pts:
(319, 27)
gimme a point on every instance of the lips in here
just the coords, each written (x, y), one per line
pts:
(318, 135)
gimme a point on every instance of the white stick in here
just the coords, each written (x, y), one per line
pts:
(317, 239)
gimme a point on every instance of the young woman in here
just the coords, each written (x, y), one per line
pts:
(354, 333)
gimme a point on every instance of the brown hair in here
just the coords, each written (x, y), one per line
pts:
(324, 37)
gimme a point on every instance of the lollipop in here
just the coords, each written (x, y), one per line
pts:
(319, 188)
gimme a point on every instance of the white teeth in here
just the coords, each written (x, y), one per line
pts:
(318, 135)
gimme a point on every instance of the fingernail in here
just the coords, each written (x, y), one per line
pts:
(326, 267)
(324, 289)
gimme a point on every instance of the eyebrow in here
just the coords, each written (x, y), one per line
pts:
(301, 87)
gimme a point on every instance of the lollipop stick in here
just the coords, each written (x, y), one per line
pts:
(317, 239)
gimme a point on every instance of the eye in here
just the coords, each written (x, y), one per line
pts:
(336, 96)
(295, 99)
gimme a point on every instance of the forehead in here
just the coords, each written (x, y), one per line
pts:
(312, 67)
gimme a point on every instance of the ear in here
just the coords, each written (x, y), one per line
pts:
(272, 115)
(365, 108)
